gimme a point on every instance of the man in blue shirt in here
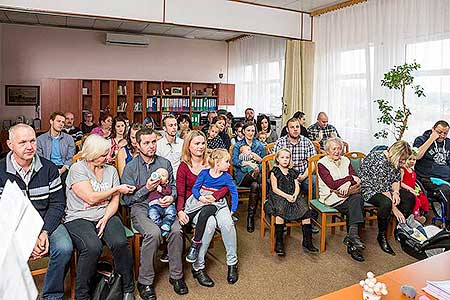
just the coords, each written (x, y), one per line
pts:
(57, 146)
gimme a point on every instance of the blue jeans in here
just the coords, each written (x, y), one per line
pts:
(162, 215)
(60, 252)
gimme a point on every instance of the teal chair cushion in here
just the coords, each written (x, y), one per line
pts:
(128, 232)
(323, 208)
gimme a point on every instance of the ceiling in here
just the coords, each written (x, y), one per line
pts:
(300, 5)
(33, 18)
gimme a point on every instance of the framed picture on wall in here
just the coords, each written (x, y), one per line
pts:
(22, 95)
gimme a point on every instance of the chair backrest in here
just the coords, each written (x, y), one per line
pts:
(267, 164)
(313, 170)
(76, 157)
(79, 144)
(346, 147)
(269, 148)
(356, 159)
(231, 170)
(317, 147)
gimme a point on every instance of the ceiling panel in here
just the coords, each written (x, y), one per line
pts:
(157, 28)
(180, 31)
(52, 20)
(21, 17)
(300, 5)
(133, 26)
(3, 17)
(106, 24)
(80, 22)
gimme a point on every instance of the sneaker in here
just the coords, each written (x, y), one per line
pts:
(164, 257)
(165, 227)
(193, 252)
(314, 228)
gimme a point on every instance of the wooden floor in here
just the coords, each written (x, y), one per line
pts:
(296, 276)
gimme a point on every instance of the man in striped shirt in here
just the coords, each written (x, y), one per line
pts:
(40, 181)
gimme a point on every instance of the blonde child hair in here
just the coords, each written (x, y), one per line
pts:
(278, 153)
(216, 155)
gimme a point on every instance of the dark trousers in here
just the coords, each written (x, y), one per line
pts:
(255, 192)
(384, 204)
(435, 192)
(203, 215)
(353, 209)
(89, 245)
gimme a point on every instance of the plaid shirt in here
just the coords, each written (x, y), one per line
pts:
(300, 152)
(314, 129)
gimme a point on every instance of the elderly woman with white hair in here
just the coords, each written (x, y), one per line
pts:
(339, 187)
(93, 190)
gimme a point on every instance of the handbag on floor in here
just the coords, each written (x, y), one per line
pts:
(108, 284)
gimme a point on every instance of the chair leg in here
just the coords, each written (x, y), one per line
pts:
(333, 220)
(137, 255)
(323, 232)
(272, 235)
(262, 227)
(288, 231)
(73, 271)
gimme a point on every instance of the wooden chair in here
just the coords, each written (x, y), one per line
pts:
(317, 147)
(79, 144)
(76, 157)
(269, 148)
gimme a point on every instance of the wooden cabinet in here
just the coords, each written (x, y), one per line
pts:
(226, 94)
(61, 95)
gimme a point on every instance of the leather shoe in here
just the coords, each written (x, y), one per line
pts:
(250, 224)
(232, 276)
(146, 292)
(354, 241)
(383, 242)
(355, 253)
(179, 286)
(128, 296)
(203, 278)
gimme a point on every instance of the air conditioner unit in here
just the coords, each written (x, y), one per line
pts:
(118, 39)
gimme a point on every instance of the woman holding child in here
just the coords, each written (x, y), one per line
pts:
(193, 161)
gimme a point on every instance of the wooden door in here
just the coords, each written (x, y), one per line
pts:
(50, 100)
(226, 94)
(70, 98)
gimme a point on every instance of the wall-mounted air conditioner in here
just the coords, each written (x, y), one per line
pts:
(132, 40)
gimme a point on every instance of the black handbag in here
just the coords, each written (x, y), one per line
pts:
(108, 284)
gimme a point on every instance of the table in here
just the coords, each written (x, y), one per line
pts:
(416, 274)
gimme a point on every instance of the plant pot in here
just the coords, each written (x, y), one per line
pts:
(369, 296)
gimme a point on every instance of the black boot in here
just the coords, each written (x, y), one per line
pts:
(382, 238)
(279, 245)
(232, 276)
(307, 239)
(250, 222)
(252, 204)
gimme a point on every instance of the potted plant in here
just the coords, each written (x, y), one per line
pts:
(398, 78)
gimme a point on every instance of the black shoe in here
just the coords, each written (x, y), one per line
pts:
(232, 276)
(314, 228)
(193, 252)
(309, 247)
(146, 292)
(279, 245)
(382, 241)
(355, 253)
(250, 224)
(164, 257)
(179, 286)
(307, 239)
(202, 278)
(354, 241)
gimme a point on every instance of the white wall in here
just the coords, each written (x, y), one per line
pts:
(33, 53)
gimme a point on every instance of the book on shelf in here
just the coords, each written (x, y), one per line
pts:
(175, 104)
(122, 90)
(153, 104)
(202, 104)
(137, 107)
(122, 107)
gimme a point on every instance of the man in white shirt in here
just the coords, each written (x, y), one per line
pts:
(170, 146)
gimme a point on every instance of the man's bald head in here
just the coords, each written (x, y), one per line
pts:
(18, 129)
(22, 142)
(322, 119)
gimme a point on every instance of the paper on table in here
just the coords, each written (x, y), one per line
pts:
(20, 225)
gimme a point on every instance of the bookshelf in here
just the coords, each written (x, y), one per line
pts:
(138, 99)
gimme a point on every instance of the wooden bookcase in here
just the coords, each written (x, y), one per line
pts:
(135, 99)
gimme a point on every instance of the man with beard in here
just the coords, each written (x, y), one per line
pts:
(250, 115)
(56, 145)
(433, 161)
(138, 173)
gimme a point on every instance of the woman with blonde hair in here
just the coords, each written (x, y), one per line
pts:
(380, 186)
(93, 190)
(193, 161)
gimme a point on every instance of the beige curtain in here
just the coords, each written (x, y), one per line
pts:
(298, 79)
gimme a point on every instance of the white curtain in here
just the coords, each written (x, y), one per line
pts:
(355, 46)
(256, 67)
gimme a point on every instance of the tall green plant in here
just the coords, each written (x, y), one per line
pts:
(398, 78)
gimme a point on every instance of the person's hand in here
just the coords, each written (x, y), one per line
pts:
(398, 214)
(434, 135)
(343, 189)
(41, 247)
(256, 157)
(292, 198)
(210, 198)
(159, 188)
(413, 191)
(395, 198)
(151, 185)
(356, 179)
(165, 201)
(101, 224)
(320, 136)
(301, 177)
(125, 188)
(183, 218)
(62, 170)
(333, 134)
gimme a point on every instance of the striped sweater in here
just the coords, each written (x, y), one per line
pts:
(44, 189)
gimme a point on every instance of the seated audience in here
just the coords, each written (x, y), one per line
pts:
(250, 179)
(221, 123)
(87, 125)
(69, 128)
(93, 191)
(238, 135)
(302, 119)
(263, 126)
(149, 122)
(380, 186)
(433, 161)
(193, 162)
(118, 137)
(56, 145)
(40, 179)
(322, 130)
(250, 115)
(211, 115)
(339, 187)
(105, 122)
(229, 126)
(169, 146)
(130, 150)
(184, 125)
(285, 202)
(214, 141)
